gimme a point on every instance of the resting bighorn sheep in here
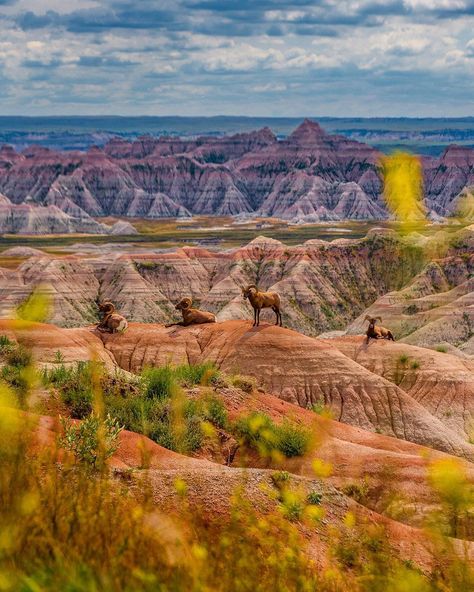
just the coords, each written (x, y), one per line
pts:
(376, 331)
(192, 316)
(111, 322)
(260, 300)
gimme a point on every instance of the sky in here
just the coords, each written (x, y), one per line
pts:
(353, 58)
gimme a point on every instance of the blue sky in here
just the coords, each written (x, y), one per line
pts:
(242, 57)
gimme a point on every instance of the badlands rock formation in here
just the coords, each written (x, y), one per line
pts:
(323, 285)
(435, 309)
(310, 176)
(31, 218)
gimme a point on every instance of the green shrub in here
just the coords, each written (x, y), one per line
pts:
(193, 374)
(403, 359)
(258, 431)
(314, 498)
(292, 504)
(160, 383)
(442, 349)
(244, 383)
(318, 407)
(215, 412)
(93, 440)
(292, 440)
(76, 385)
(280, 477)
(5, 343)
(182, 434)
(18, 356)
(15, 377)
(135, 413)
(357, 491)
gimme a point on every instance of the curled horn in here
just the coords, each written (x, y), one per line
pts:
(379, 318)
(187, 302)
(252, 286)
(367, 318)
(107, 306)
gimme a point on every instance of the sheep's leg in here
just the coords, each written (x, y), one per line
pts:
(258, 317)
(275, 310)
(281, 318)
(254, 317)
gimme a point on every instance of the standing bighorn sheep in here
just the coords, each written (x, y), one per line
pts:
(260, 300)
(111, 322)
(376, 331)
(192, 316)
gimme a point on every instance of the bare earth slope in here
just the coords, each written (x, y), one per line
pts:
(296, 368)
(442, 383)
(210, 486)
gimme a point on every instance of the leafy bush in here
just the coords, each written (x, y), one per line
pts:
(442, 349)
(280, 477)
(292, 440)
(5, 343)
(244, 383)
(215, 412)
(314, 498)
(193, 374)
(357, 491)
(258, 431)
(93, 440)
(76, 385)
(18, 356)
(160, 383)
(181, 432)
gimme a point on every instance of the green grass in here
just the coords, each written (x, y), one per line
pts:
(15, 371)
(76, 385)
(314, 498)
(5, 343)
(258, 431)
(153, 404)
(162, 382)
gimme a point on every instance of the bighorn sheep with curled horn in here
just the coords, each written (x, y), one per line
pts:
(376, 331)
(260, 300)
(192, 316)
(111, 322)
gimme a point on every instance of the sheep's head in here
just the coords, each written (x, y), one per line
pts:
(106, 307)
(184, 303)
(372, 320)
(248, 290)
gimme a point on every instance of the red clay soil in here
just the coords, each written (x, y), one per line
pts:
(299, 369)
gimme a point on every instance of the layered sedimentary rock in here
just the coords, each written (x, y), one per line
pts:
(298, 369)
(309, 176)
(435, 309)
(323, 285)
(31, 218)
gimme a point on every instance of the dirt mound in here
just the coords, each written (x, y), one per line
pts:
(45, 341)
(298, 369)
(442, 383)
